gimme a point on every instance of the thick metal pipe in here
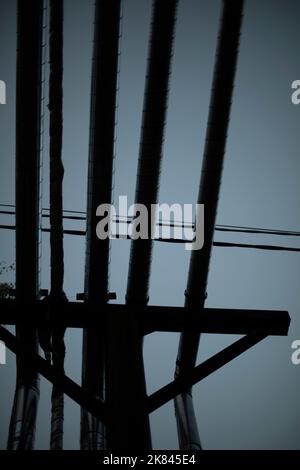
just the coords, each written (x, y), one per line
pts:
(100, 178)
(209, 189)
(28, 127)
(57, 298)
(151, 141)
(129, 428)
(56, 133)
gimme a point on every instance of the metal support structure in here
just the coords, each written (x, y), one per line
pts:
(100, 177)
(99, 409)
(114, 404)
(257, 325)
(129, 426)
(194, 375)
(209, 189)
(28, 122)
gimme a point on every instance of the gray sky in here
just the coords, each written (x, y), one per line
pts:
(252, 403)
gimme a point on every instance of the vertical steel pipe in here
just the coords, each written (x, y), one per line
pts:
(28, 126)
(57, 296)
(129, 427)
(151, 141)
(209, 189)
(100, 178)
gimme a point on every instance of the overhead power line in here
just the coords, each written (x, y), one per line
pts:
(176, 240)
(165, 223)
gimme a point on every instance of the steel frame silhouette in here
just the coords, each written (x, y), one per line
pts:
(115, 416)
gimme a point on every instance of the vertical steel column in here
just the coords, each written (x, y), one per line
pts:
(28, 121)
(209, 189)
(129, 422)
(100, 175)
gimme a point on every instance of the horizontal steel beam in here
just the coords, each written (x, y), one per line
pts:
(68, 386)
(195, 375)
(216, 320)
(152, 318)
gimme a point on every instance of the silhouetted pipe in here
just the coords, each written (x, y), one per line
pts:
(129, 428)
(209, 189)
(57, 297)
(100, 174)
(56, 132)
(151, 141)
(28, 122)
